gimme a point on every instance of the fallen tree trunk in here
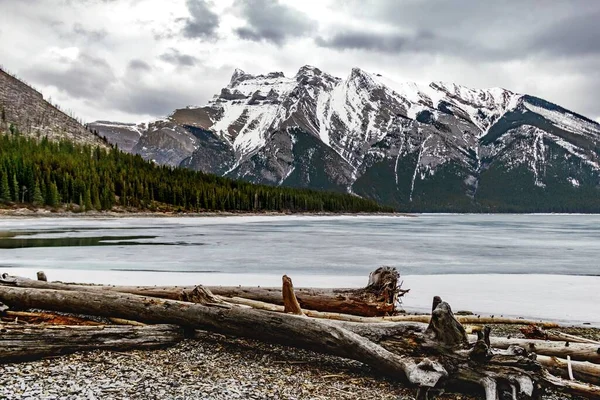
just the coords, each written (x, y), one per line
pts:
(427, 359)
(577, 351)
(262, 325)
(469, 319)
(45, 318)
(582, 370)
(27, 342)
(536, 332)
(378, 298)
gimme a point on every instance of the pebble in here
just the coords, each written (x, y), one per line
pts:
(212, 367)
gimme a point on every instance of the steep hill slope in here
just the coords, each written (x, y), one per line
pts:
(25, 108)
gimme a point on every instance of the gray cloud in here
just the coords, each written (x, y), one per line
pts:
(141, 99)
(138, 65)
(202, 23)
(373, 41)
(270, 21)
(175, 57)
(90, 34)
(476, 30)
(85, 77)
(575, 35)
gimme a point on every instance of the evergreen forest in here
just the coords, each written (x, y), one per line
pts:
(41, 172)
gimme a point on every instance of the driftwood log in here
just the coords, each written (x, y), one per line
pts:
(45, 318)
(430, 360)
(577, 351)
(26, 342)
(380, 297)
(581, 370)
(537, 332)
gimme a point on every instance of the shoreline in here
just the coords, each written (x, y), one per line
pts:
(44, 213)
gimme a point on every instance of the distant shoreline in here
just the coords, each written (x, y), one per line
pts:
(25, 212)
(45, 213)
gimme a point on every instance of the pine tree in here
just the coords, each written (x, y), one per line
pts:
(4, 188)
(15, 190)
(87, 200)
(53, 196)
(38, 198)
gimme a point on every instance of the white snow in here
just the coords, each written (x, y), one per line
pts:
(573, 181)
(421, 151)
(344, 114)
(566, 121)
(528, 296)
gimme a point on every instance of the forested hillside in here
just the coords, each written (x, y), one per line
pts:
(82, 177)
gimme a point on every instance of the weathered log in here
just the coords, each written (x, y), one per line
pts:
(443, 326)
(582, 370)
(536, 332)
(577, 351)
(379, 298)
(261, 305)
(423, 370)
(416, 357)
(575, 387)
(26, 342)
(46, 318)
(262, 325)
(469, 319)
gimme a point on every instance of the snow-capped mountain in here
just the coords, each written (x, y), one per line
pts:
(437, 147)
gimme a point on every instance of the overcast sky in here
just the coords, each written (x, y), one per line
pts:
(135, 60)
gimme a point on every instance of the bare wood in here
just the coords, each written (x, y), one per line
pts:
(373, 300)
(536, 332)
(468, 319)
(26, 342)
(262, 325)
(582, 370)
(577, 351)
(261, 305)
(444, 327)
(419, 358)
(579, 388)
(290, 302)
(121, 321)
(46, 318)
(566, 337)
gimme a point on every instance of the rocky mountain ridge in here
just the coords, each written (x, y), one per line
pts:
(433, 147)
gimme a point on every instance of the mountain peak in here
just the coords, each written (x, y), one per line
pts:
(237, 74)
(309, 70)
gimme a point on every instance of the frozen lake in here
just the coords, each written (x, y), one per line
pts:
(531, 265)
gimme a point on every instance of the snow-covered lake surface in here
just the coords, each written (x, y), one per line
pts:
(539, 266)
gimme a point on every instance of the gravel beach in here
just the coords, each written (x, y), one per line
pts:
(211, 367)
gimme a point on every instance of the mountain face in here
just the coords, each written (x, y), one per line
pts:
(25, 109)
(436, 147)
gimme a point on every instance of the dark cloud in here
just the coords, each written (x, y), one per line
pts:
(202, 22)
(175, 57)
(385, 42)
(147, 100)
(270, 21)
(138, 65)
(575, 35)
(86, 76)
(474, 29)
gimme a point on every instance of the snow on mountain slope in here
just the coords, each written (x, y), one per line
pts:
(397, 142)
